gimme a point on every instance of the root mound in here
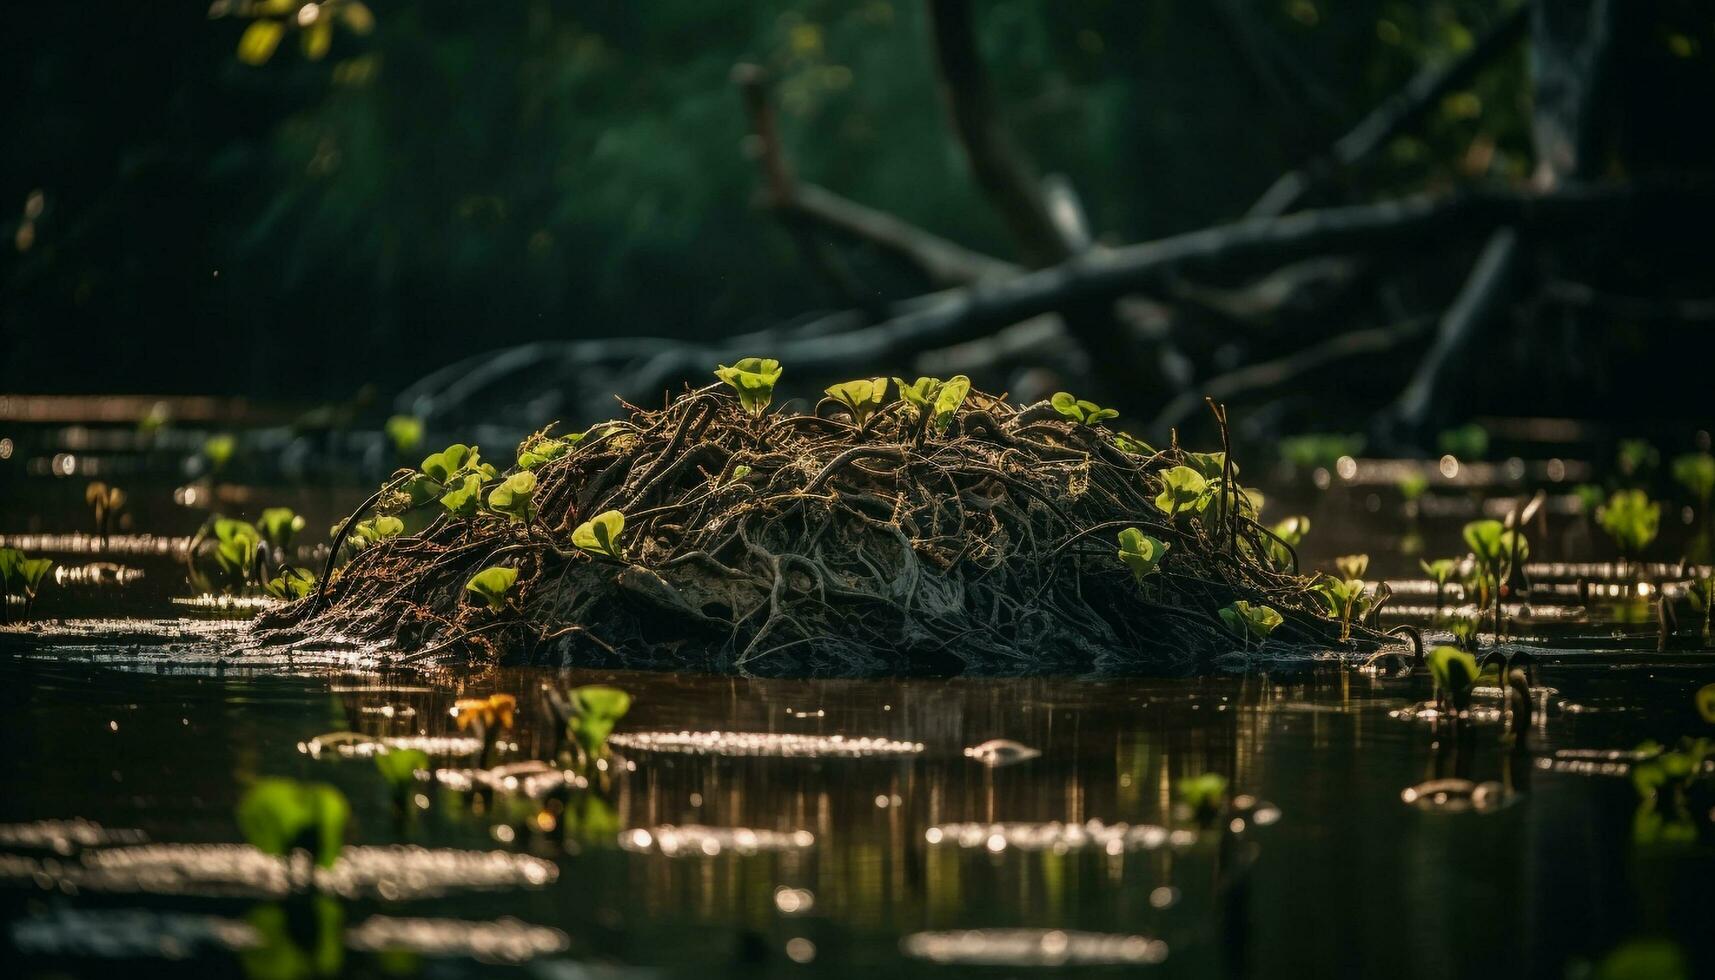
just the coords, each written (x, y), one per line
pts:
(843, 549)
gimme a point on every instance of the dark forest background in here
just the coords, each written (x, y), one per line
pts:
(469, 176)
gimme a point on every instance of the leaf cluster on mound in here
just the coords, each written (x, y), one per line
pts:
(940, 530)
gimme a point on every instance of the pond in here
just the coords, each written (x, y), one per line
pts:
(730, 857)
(962, 825)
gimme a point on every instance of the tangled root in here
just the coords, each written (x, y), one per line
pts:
(843, 550)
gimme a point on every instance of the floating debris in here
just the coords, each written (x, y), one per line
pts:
(505, 940)
(533, 778)
(1059, 838)
(772, 744)
(697, 840)
(1032, 947)
(997, 752)
(1458, 796)
(239, 870)
(65, 836)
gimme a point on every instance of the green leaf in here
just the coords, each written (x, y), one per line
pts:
(399, 767)
(1128, 443)
(1079, 410)
(1696, 473)
(405, 432)
(1204, 793)
(738, 474)
(1454, 672)
(442, 466)
(1292, 530)
(1352, 566)
(278, 816)
(259, 40)
(600, 535)
(422, 488)
(1441, 570)
(291, 583)
(948, 399)
(861, 397)
(11, 567)
(218, 451)
(1210, 465)
(543, 449)
(918, 394)
(1181, 487)
(595, 709)
(514, 497)
(31, 571)
(493, 584)
(753, 378)
(1247, 621)
(1631, 519)
(279, 524)
(1140, 552)
(385, 527)
(465, 496)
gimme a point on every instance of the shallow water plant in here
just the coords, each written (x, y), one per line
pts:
(600, 535)
(23, 576)
(1455, 673)
(861, 397)
(493, 585)
(1464, 626)
(399, 768)
(236, 546)
(278, 525)
(592, 711)
(291, 583)
(515, 497)
(279, 816)
(1203, 795)
(1631, 519)
(753, 378)
(218, 450)
(105, 503)
(1182, 487)
(1079, 410)
(1348, 601)
(1440, 571)
(1141, 553)
(1496, 549)
(1249, 622)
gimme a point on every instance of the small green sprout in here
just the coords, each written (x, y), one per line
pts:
(218, 451)
(1464, 627)
(1348, 601)
(1141, 553)
(399, 767)
(236, 545)
(1292, 530)
(1469, 441)
(369, 532)
(537, 450)
(919, 394)
(515, 497)
(1079, 410)
(738, 474)
(105, 503)
(1127, 443)
(861, 397)
(22, 576)
(594, 710)
(1696, 473)
(600, 535)
(405, 432)
(464, 497)
(1181, 488)
(1455, 674)
(291, 583)
(1440, 571)
(1634, 456)
(1250, 622)
(493, 584)
(1495, 548)
(753, 378)
(1212, 466)
(1352, 566)
(279, 816)
(454, 460)
(1631, 519)
(278, 525)
(1203, 795)
(941, 400)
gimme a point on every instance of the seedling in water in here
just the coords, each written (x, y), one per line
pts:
(1440, 571)
(1181, 489)
(1464, 627)
(1250, 622)
(593, 711)
(218, 451)
(1495, 548)
(1631, 519)
(405, 432)
(1291, 532)
(1078, 410)
(279, 816)
(753, 378)
(1455, 674)
(1203, 795)
(21, 576)
(236, 545)
(861, 397)
(1348, 601)
(1352, 566)
(515, 497)
(399, 767)
(105, 503)
(600, 535)
(378, 529)
(278, 525)
(493, 585)
(1141, 553)
(291, 583)
(456, 460)
(1635, 456)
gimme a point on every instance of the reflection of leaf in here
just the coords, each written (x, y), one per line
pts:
(260, 39)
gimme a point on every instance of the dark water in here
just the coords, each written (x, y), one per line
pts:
(1332, 873)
